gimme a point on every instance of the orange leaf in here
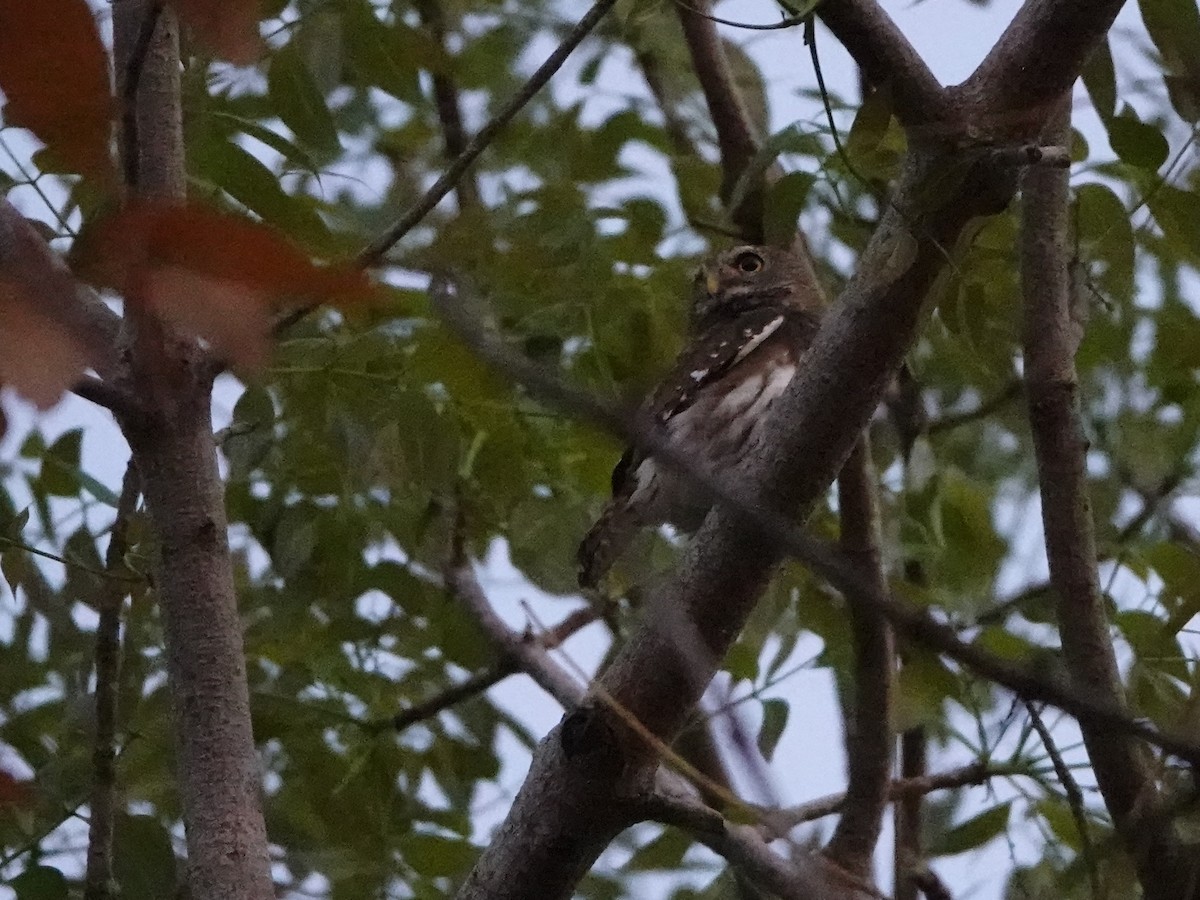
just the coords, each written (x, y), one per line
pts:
(38, 356)
(227, 27)
(15, 791)
(46, 339)
(229, 315)
(211, 273)
(54, 72)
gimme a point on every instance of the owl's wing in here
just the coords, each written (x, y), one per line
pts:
(707, 357)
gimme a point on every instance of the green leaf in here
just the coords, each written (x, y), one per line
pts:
(784, 203)
(663, 854)
(143, 859)
(251, 433)
(775, 717)
(295, 540)
(792, 139)
(257, 188)
(296, 99)
(437, 857)
(60, 466)
(1174, 27)
(975, 832)
(383, 56)
(1137, 143)
(288, 149)
(1179, 568)
(40, 883)
(1100, 79)
(1178, 213)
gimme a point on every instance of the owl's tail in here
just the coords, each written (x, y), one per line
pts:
(606, 540)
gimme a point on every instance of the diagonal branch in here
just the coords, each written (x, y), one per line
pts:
(869, 736)
(1074, 796)
(1036, 60)
(916, 624)
(808, 877)
(948, 422)
(529, 656)
(489, 678)
(449, 110)
(780, 822)
(887, 60)
(373, 253)
(1051, 337)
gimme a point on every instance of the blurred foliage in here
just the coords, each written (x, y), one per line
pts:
(342, 461)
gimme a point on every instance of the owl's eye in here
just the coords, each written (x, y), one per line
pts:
(749, 262)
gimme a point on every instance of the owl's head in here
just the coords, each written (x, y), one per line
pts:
(746, 278)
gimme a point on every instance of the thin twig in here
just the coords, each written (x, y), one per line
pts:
(374, 252)
(481, 682)
(782, 821)
(1010, 392)
(98, 880)
(1074, 798)
(804, 878)
(787, 22)
(827, 562)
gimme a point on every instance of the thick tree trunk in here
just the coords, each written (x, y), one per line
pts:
(173, 445)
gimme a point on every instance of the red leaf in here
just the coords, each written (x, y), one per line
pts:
(46, 340)
(54, 72)
(229, 28)
(14, 791)
(212, 274)
(232, 317)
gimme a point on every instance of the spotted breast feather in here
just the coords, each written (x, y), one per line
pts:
(712, 407)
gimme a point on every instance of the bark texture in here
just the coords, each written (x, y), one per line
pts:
(173, 445)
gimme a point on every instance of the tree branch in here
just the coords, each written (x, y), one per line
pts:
(220, 783)
(811, 877)
(948, 422)
(888, 61)
(1035, 61)
(908, 860)
(564, 816)
(736, 137)
(449, 111)
(916, 624)
(374, 252)
(868, 716)
(483, 681)
(780, 822)
(1051, 337)
(529, 656)
(111, 396)
(98, 881)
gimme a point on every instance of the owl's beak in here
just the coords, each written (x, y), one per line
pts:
(711, 283)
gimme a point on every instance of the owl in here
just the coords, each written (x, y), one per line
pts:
(753, 314)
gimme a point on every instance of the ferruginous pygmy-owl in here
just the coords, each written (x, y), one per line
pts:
(753, 315)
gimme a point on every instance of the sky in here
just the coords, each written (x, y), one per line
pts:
(952, 36)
